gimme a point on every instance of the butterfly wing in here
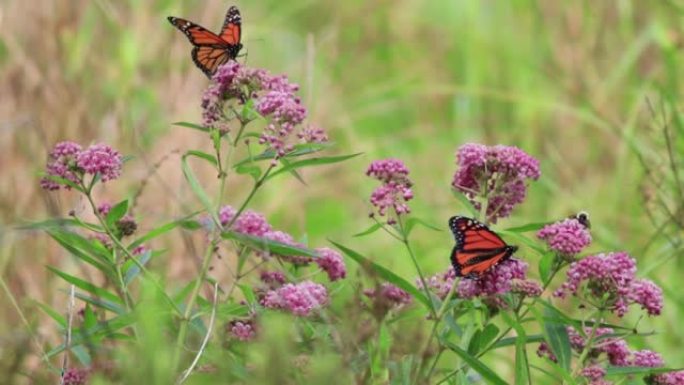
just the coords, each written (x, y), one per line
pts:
(477, 248)
(231, 32)
(198, 35)
(211, 50)
(208, 58)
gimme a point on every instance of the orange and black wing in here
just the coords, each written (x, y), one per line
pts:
(198, 35)
(208, 59)
(477, 248)
(209, 49)
(231, 32)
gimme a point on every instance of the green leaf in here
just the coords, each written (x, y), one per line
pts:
(311, 162)
(522, 369)
(229, 309)
(203, 155)
(557, 338)
(102, 329)
(299, 150)
(268, 245)
(81, 284)
(526, 228)
(82, 354)
(477, 365)
(294, 173)
(89, 318)
(60, 223)
(630, 370)
(466, 203)
(83, 249)
(133, 269)
(163, 229)
(63, 181)
(375, 227)
(482, 338)
(190, 224)
(249, 169)
(247, 291)
(101, 303)
(413, 221)
(192, 125)
(509, 341)
(546, 266)
(53, 314)
(117, 212)
(197, 188)
(183, 293)
(385, 274)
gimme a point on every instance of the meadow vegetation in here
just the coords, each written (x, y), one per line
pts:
(290, 220)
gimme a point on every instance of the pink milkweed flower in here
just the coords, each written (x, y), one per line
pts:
(497, 173)
(243, 330)
(389, 294)
(100, 159)
(331, 262)
(248, 223)
(76, 376)
(395, 191)
(300, 299)
(62, 163)
(612, 273)
(568, 237)
(593, 373)
(274, 98)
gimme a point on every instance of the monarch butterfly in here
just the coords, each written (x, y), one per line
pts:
(211, 50)
(477, 248)
(583, 218)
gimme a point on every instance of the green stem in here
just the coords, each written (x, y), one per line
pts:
(505, 332)
(405, 241)
(185, 321)
(588, 344)
(256, 186)
(122, 289)
(182, 332)
(433, 333)
(129, 255)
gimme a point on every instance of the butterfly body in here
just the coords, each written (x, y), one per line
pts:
(477, 248)
(209, 49)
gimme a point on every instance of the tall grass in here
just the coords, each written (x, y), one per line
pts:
(591, 89)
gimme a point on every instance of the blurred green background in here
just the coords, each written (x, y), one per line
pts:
(568, 82)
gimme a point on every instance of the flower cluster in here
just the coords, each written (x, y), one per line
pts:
(252, 223)
(395, 190)
(440, 283)
(567, 237)
(273, 278)
(498, 174)
(243, 330)
(75, 376)
(616, 352)
(67, 160)
(389, 295)
(274, 98)
(614, 274)
(299, 299)
(249, 222)
(332, 263)
(508, 276)
(671, 378)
